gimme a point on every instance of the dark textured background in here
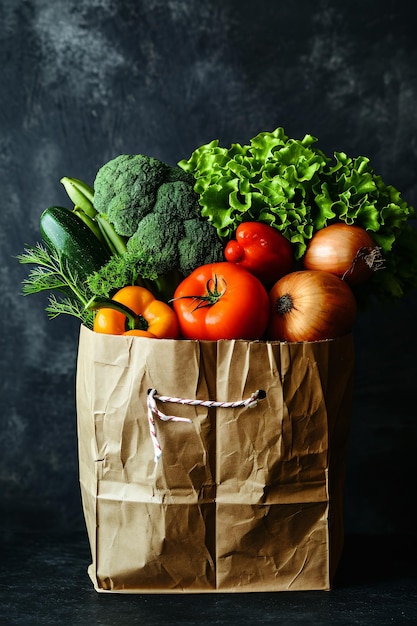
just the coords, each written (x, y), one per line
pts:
(84, 80)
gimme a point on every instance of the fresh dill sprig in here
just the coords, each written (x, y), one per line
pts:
(50, 274)
(68, 306)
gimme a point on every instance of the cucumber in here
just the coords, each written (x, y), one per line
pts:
(80, 250)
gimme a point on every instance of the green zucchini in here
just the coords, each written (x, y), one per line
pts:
(77, 246)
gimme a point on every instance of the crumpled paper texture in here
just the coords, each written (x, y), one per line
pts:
(242, 499)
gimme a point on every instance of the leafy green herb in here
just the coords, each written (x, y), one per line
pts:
(50, 274)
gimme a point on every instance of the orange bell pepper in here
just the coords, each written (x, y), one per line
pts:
(134, 310)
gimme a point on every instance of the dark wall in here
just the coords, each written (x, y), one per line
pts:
(84, 80)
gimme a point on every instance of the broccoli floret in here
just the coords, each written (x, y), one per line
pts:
(178, 199)
(176, 173)
(198, 246)
(125, 189)
(154, 246)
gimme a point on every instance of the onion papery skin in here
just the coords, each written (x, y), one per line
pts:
(340, 249)
(321, 306)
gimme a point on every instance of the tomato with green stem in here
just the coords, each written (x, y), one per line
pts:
(221, 301)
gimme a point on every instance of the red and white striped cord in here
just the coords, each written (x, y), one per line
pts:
(153, 410)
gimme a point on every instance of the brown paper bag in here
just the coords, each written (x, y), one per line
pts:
(241, 499)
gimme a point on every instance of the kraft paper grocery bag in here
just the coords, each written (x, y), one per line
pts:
(242, 495)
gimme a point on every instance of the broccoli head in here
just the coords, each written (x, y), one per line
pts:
(125, 189)
(156, 208)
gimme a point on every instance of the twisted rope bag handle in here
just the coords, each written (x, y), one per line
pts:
(153, 410)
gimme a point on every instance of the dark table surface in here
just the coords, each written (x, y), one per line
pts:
(43, 580)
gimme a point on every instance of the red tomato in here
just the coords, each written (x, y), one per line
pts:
(221, 301)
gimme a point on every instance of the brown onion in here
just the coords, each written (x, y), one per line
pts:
(310, 305)
(345, 250)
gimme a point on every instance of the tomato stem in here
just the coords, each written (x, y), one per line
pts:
(213, 292)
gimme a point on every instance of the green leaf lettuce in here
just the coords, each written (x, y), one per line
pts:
(293, 186)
